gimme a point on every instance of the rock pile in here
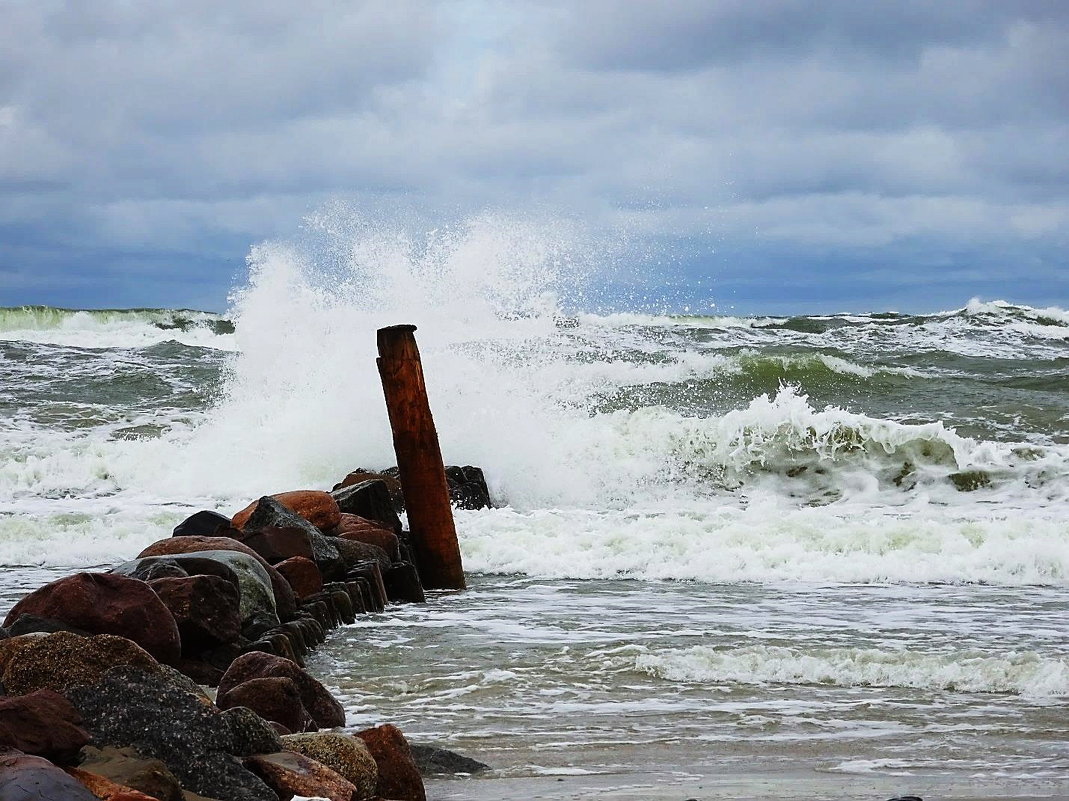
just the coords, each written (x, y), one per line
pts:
(102, 673)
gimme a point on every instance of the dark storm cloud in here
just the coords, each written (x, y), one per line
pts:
(161, 139)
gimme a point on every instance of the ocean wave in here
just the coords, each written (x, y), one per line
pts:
(115, 328)
(1025, 674)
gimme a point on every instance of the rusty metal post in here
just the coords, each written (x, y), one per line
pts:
(419, 460)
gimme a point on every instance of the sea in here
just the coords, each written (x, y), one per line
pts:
(731, 556)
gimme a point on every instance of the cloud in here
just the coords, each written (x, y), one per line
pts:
(168, 133)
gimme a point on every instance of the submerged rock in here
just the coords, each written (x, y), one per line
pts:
(432, 760)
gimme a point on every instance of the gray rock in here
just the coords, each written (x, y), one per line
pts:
(432, 760)
(269, 513)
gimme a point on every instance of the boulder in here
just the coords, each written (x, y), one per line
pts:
(35, 624)
(344, 754)
(303, 576)
(315, 506)
(270, 513)
(324, 708)
(108, 790)
(63, 660)
(43, 724)
(32, 778)
(291, 774)
(107, 603)
(285, 604)
(467, 487)
(356, 552)
(370, 498)
(249, 733)
(399, 777)
(275, 698)
(433, 761)
(203, 524)
(403, 584)
(360, 529)
(125, 766)
(133, 708)
(207, 609)
(277, 544)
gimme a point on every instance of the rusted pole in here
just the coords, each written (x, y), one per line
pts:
(419, 460)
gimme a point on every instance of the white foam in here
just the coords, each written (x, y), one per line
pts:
(1027, 674)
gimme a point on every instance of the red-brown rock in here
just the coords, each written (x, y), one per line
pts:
(315, 506)
(360, 529)
(285, 603)
(278, 543)
(42, 723)
(275, 699)
(399, 778)
(127, 768)
(107, 790)
(324, 708)
(303, 576)
(31, 778)
(207, 609)
(106, 603)
(290, 774)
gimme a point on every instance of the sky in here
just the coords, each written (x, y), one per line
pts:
(766, 157)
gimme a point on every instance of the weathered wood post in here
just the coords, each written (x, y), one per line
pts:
(419, 460)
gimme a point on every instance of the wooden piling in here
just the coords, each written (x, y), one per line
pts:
(419, 460)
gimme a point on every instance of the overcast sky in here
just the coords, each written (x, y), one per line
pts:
(777, 156)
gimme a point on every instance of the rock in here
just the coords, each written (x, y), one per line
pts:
(360, 529)
(403, 584)
(303, 576)
(106, 603)
(31, 624)
(43, 724)
(125, 766)
(324, 708)
(274, 698)
(207, 609)
(342, 753)
(318, 508)
(202, 524)
(370, 498)
(200, 671)
(256, 597)
(285, 604)
(467, 487)
(133, 708)
(31, 778)
(278, 544)
(355, 553)
(250, 733)
(108, 790)
(371, 572)
(399, 776)
(63, 660)
(269, 513)
(290, 774)
(432, 760)
(390, 482)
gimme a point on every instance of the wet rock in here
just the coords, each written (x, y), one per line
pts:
(360, 529)
(315, 506)
(200, 671)
(108, 790)
(106, 603)
(250, 733)
(285, 604)
(133, 708)
(291, 774)
(207, 609)
(355, 553)
(63, 660)
(432, 761)
(403, 584)
(43, 724)
(273, 698)
(303, 576)
(342, 753)
(202, 524)
(324, 708)
(31, 778)
(125, 766)
(31, 624)
(278, 544)
(399, 776)
(467, 487)
(270, 513)
(371, 572)
(376, 496)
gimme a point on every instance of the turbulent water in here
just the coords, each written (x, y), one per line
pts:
(831, 547)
